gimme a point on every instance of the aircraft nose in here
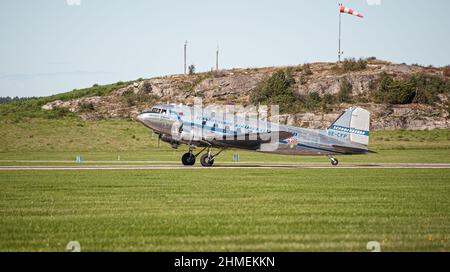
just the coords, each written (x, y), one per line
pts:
(142, 117)
(147, 119)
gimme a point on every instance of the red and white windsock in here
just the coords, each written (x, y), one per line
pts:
(350, 11)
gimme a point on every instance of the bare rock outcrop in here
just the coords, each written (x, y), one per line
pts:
(234, 87)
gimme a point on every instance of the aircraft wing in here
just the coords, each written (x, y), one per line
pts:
(250, 140)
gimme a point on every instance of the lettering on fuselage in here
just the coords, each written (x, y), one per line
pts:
(337, 134)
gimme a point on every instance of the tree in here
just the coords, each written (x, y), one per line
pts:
(191, 69)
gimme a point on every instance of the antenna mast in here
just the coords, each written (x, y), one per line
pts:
(185, 46)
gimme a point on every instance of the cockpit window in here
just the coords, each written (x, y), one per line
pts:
(163, 111)
(155, 110)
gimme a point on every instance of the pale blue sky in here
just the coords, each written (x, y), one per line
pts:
(48, 46)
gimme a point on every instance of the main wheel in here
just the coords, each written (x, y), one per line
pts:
(205, 161)
(188, 159)
(334, 162)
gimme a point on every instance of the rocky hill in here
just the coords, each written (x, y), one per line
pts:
(323, 79)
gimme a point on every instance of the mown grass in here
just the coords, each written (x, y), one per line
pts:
(106, 140)
(73, 134)
(172, 157)
(226, 210)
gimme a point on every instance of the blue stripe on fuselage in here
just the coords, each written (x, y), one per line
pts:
(350, 130)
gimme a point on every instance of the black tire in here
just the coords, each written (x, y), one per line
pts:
(334, 162)
(205, 161)
(188, 159)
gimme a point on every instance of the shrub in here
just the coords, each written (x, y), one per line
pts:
(133, 99)
(306, 70)
(392, 92)
(420, 88)
(349, 65)
(312, 100)
(57, 113)
(327, 100)
(446, 71)
(275, 90)
(146, 87)
(427, 87)
(345, 91)
(86, 107)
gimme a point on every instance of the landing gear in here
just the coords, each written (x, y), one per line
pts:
(206, 160)
(333, 161)
(188, 159)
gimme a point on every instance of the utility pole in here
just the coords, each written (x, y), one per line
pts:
(217, 58)
(185, 46)
(339, 50)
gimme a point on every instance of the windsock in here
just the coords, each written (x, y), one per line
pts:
(350, 11)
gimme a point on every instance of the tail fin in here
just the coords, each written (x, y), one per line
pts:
(354, 123)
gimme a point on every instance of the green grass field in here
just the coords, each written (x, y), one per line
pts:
(215, 209)
(42, 141)
(226, 210)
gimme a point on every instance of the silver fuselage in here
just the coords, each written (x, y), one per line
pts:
(303, 141)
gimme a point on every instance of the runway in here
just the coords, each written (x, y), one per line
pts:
(180, 167)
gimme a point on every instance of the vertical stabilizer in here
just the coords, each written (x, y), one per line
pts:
(353, 126)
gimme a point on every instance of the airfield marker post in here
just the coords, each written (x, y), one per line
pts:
(235, 157)
(79, 159)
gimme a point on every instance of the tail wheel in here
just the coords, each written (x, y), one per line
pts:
(206, 161)
(334, 162)
(188, 159)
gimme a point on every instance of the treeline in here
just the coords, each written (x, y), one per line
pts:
(7, 99)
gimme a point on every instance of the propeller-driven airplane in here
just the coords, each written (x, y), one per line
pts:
(208, 129)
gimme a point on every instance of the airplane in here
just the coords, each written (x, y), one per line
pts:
(179, 124)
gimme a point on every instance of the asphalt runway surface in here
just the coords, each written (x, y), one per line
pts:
(150, 167)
